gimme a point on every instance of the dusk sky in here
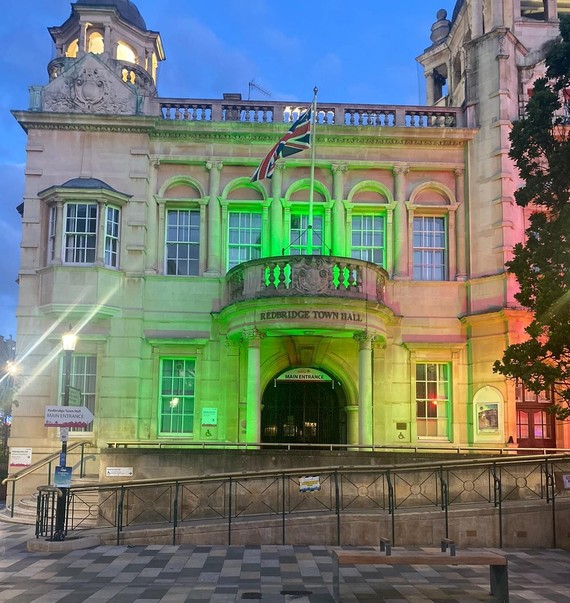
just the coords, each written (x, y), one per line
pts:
(362, 53)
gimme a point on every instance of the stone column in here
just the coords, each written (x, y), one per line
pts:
(351, 425)
(112, 52)
(213, 265)
(476, 9)
(497, 13)
(430, 88)
(233, 391)
(365, 415)
(461, 233)
(340, 247)
(401, 243)
(276, 220)
(253, 395)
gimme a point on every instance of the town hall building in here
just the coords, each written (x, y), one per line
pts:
(362, 308)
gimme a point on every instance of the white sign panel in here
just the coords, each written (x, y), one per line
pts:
(67, 416)
(309, 483)
(119, 471)
(20, 457)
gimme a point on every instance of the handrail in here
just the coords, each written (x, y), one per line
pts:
(123, 505)
(446, 448)
(41, 463)
(48, 460)
(483, 461)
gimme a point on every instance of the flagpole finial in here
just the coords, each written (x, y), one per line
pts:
(315, 90)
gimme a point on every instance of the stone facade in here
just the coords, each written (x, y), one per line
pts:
(201, 316)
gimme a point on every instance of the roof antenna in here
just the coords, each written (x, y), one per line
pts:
(254, 86)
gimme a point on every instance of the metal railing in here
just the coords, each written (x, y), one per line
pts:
(48, 462)
(496, 484)
(412, 448)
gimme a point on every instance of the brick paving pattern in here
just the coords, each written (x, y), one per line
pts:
(270, 574)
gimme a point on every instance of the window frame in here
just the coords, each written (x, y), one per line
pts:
(161, 397)
(376, 212)
(57, 200)
(249, 247)
(191, 209)
(438, 419)
(430, 249)
(79, 381)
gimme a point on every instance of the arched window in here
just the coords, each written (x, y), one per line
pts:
(72, 49)
(126, 53)
(95, 43)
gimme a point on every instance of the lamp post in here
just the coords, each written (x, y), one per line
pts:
(69, 340)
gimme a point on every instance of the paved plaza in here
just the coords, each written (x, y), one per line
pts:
(271, 574)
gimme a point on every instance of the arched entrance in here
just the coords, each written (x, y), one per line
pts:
(304, 406)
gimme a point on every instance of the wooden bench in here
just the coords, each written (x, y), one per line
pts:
(497, 564)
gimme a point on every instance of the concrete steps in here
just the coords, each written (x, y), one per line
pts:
(83, 512)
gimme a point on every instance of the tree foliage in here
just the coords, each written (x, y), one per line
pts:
(540, 148)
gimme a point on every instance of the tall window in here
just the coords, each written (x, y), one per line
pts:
(80, 239)
(430, 255)
(183, 242)
(298, 235)
(51, 232)
(368, 238)
(432, 400)
(177, 380)
(83, 376)
(244, 237)
(112, 237)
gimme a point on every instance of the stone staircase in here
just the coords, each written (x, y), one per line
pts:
(84, 509)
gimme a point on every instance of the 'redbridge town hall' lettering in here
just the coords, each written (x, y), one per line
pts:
(311, 315)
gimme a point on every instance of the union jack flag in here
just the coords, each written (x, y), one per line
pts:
(297, 139)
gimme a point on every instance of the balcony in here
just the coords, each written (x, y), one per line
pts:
(373, 116)
(301, 276)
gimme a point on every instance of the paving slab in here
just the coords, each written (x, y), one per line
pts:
(270, 574)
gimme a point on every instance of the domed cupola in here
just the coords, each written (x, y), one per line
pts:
(115, 32)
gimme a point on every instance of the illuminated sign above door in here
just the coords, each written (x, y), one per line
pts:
(304, 374)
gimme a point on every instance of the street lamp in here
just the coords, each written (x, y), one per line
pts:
(68, 341)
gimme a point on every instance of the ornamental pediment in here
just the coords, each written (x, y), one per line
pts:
(89, 87)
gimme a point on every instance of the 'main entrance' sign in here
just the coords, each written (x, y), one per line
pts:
(303, 374)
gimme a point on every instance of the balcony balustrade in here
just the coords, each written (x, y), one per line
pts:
(374, 116)
(314, 275)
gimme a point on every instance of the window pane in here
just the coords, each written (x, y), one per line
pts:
(298, 235)
(244, 236)
(429, 253)
(83, 376)
(80, 235)
(177, 382)
(368, 238)
(112, 237)
(432, 399)
(183, 242)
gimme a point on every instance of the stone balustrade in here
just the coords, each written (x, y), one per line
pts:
(129, 72)
(320, 275)
(388, 116)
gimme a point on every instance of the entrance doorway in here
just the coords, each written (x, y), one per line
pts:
(304, 412)
(535, 425)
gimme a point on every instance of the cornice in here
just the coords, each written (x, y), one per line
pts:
(235, 133)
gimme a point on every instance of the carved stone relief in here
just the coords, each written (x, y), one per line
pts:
(89, 87)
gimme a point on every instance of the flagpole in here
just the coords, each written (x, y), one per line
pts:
(312, 181)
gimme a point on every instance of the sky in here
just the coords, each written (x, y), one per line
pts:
(354, 53)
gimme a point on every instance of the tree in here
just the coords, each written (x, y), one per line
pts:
(540, 148)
